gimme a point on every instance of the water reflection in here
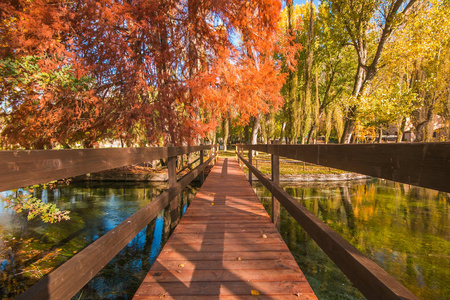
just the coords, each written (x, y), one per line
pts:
(404, 229)
(31, 249)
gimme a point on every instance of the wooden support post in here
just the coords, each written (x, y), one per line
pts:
(216, 152)
(242, 154)
(202, 174)
(250, 156)
(174, 205)
(238, 149)
(276, 180)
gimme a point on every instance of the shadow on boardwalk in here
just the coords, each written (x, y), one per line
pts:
(225, 247)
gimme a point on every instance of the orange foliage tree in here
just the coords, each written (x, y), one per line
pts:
(147, 72)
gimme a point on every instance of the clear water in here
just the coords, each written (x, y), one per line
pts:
(402, 228)
(31, 249)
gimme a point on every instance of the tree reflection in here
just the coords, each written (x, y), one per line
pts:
(403, 228)
(30, 250)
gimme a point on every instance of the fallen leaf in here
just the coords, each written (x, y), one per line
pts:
(162, 296)
(178, 271)
(255, 293)
(239, 258)
(181, 265)
(298, 294)
(264, 236)
(213, 194)
(212, 203)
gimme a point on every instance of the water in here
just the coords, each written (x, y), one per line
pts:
(31, 249)
(404, 229)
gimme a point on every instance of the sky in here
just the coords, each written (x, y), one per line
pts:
(316, 2)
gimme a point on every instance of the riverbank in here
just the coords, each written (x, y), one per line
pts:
(290, 171)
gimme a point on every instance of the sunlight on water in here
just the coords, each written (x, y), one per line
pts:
(31, 249)
(404, 229)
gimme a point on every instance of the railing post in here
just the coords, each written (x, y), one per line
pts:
(238, 149)
(202, 174)
(250, 155)
(216, 153)
(237, 153)
(276, 180)
(172, 170)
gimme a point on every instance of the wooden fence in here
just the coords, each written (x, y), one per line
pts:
(23, 168)
(423, 164)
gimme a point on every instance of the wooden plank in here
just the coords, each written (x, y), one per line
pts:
(225, 256)
(422, 164)
(20, 168)
(243, 264)
(225, 250)
(238, 288)
(68, 279)
(223, 275)
(227, 297)
(366, 275)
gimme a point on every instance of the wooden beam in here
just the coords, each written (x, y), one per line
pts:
(250, 156)
(422, 164)
(69, 278)
(275, 162)
(174, 205)
(366, 275)
(20, 168)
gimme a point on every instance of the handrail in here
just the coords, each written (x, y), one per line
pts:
(422, 164)
(20, 168)
(69, 278)
(367, 276)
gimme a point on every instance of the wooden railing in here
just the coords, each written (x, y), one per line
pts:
(422, 164)
(24, 168)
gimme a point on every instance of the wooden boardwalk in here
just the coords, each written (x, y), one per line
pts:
(225, 247)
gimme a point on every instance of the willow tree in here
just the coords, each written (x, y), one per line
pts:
(368, 25)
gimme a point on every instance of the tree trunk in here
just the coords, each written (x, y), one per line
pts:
(307, 76)
(226, 133)
(400, 130)
(256, 127)
(349, 127)
(282, 133)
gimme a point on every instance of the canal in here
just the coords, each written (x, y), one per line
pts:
(31, 249)
(404, 229)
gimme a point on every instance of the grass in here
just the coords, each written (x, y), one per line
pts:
(262, 162)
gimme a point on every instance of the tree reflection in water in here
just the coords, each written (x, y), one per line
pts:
(29, 250)
(404, 229)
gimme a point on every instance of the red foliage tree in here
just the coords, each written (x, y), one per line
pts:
(135, 70)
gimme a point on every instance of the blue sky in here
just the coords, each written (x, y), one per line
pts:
(316, 2)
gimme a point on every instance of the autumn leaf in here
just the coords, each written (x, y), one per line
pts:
(255, 293)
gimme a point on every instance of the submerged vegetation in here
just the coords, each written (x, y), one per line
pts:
(403, 228)
(23, 202)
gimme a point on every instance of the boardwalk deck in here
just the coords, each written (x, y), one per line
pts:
(225, 247)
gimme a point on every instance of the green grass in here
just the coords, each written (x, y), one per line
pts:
(287, 166)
